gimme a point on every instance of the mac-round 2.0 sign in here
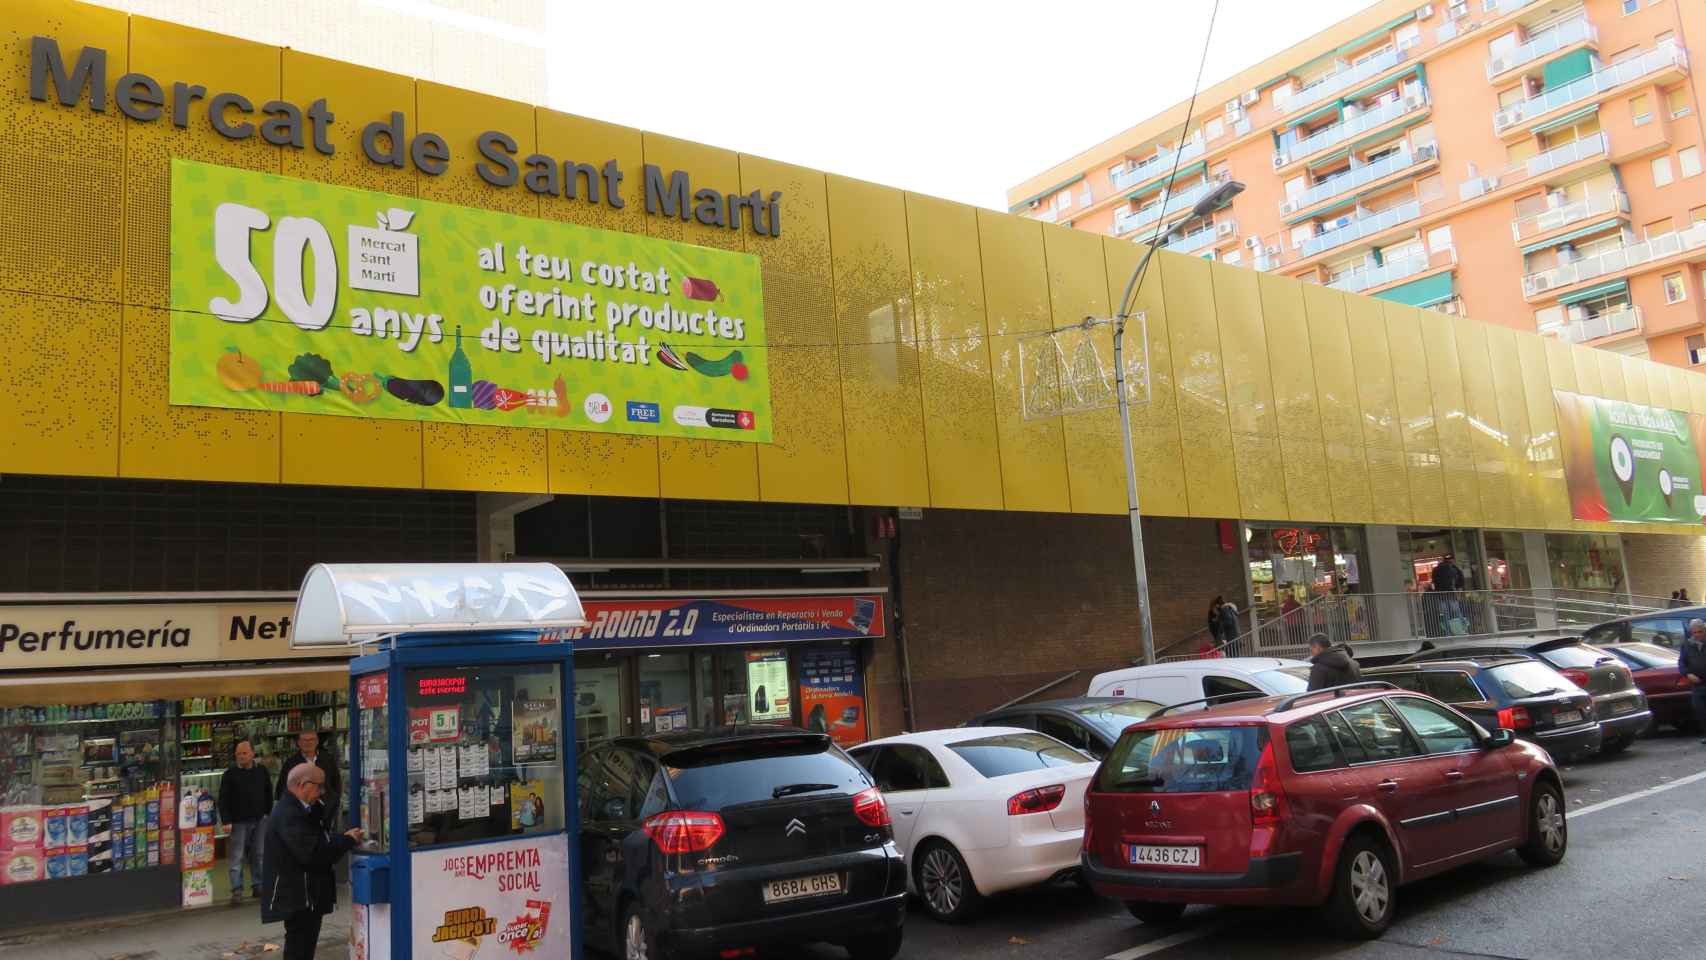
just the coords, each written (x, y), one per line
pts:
(304, 297)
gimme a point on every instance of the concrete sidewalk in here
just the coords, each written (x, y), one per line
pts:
(211, 933)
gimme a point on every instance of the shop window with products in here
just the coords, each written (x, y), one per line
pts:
(1586, 562)
(1444, 598)
(1307, 580)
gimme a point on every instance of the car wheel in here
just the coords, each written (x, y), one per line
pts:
(1618, 745)
(1364, 885)
(1548, 828)
(1150, 912)
(639, 941)
(878, 946)
(945, 883)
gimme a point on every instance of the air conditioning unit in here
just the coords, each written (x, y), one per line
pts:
(1541, 282)
(1271, 251)
(1234, 108)
(1250, 97)
(1225, 229)
(1425, 11)
(1253, 243)
(1414, 102)
(1280, 160)
(1288, 207)
(1427, 152)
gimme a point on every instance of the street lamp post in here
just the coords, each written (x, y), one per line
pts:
(1215, 199)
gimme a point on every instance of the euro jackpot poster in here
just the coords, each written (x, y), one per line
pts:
(1625, 462)
(305, 297)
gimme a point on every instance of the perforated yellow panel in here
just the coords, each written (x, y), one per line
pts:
(1157, 452)
(1078, 288)
(1015, 284)
(73, 354)
(700, 469)
(596, 463)
(1377, 396)
(463, 456)
(60, 167)
(1339, 402)
(1415, 414)
(881, 394)
(1297, 414)
(383, 453)
(1554, 499)
(807, 462)
(947, 284)
(1482, 419)
(1451, 418)
(1204, 428)
(1527, 509)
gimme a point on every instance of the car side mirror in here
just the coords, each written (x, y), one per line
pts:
(1501, 738)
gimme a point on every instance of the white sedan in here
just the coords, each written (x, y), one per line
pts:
(979, 810)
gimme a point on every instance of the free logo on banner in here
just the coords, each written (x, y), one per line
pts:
(640, 411)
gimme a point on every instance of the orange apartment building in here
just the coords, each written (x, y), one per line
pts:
(1533, 163)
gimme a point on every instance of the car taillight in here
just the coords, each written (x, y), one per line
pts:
(1040, 800)
(1267, 797)
(681, 831)
(871, 809)
(1577, 677)
(1515, 718)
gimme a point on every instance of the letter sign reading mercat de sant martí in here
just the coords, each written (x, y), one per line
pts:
(305, 297)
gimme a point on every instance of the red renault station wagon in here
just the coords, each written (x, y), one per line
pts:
(1331, 799)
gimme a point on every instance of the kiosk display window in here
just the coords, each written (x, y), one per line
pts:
(485, 752)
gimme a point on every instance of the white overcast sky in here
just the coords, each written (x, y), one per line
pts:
(956, 99)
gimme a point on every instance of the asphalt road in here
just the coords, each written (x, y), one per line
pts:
(1632, 886)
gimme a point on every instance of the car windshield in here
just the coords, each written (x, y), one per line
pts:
(1113, 717)
(1530, 678)
(1648, 655)
(1285, 680)
(725, 774)
(1010, 753)
(1578, 655)
(1183, 760)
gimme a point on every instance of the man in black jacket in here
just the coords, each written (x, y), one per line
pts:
(308, 749)
(1691, 663)
(1330, 666)
(245, 796)
(296, 871)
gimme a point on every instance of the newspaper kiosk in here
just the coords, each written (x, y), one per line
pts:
(461, 771)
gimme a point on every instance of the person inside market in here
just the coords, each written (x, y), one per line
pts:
(245, 796)
(308, 751)
(1329, 665)
(1691, 663)
(297, 886)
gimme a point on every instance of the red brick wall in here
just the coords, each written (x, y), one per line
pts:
(993, 605)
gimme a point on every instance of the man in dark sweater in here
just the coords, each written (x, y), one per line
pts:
(1691, 663)
(245, 796)
(1330, 666)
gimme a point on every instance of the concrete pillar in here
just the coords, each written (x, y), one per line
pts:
(1540, 579)
(495, 517)
(1387, 576)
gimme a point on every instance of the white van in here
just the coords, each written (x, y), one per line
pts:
(1186, 680)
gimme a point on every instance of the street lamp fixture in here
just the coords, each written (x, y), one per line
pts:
(1212, 201)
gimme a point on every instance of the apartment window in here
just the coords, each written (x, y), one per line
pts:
(1430, 188)
(1658, 228)
(1549, 317)
(1214, 128)
(1630, 6)
(1500, 46)
(1661, 172)
(1689, 159)
(1282, 95)
(1641, 108)
(1696, 344)
(1063, 199)
(1233, 257)
(1697, 216)
(1116, 170)
(1676, 101)
(1520, 151)
(1439, 238)
(1669, 36)
(1627, 53)
(1674, 291)
(1295, 186)
(1301, 234)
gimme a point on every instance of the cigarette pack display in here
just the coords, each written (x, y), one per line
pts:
(21, 828)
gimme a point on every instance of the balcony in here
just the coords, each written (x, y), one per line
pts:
(1341, 80)
(1503, 8)
(1544, 44)
(1537, 166)
(1206, 237)
(1623, 258)
(1664, 57)
(1358, 177)
(1361, 227)
(1175, 202)
(1393, 271)
(1546, 221)
(1346, 129)
(1605, 325)
(1047, 215)
(1158, 165)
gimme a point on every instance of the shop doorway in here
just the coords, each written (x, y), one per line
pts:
(1306, 580)
(1444, 599)
(1509, 581)
(1587, 564)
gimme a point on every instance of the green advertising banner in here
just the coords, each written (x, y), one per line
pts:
(305, 297)
(1628, 462)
